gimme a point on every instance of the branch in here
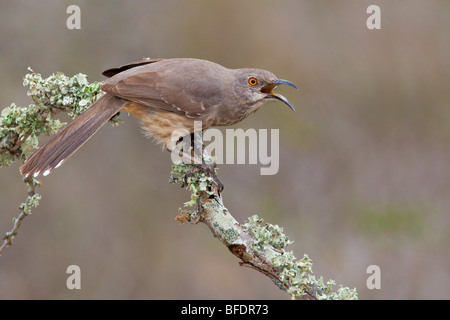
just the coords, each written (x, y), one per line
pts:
(258, 245)
(21, 127)
(25, 210)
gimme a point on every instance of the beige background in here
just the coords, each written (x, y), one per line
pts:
(364, 162)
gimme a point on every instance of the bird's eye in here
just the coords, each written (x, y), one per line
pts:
(252, 81)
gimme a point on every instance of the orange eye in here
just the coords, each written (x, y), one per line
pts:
(252, 81)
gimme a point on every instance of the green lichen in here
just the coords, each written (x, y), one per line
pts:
(190, 176)
(21, 127)
(342, 293)
(229, 234)
(19, 131)
(297, 274)
(266, 234)
(58, 91)
(31, 202)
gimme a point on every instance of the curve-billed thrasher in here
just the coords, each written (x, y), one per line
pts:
(165, 95)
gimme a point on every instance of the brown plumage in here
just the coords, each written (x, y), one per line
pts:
(167, 96)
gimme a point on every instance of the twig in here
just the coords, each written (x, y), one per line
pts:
(25, 210)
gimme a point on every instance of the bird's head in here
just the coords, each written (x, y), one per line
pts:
(257, 86)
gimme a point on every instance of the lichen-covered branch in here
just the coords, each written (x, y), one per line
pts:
(259, 245)
(21, 127)
(32, 201)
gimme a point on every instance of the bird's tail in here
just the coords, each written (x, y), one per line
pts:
(63, 144)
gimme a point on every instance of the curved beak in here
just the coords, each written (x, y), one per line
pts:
(268, 89)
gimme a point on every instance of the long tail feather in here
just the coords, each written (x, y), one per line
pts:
(63, 144)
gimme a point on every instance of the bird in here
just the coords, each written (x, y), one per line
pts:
(167, 96)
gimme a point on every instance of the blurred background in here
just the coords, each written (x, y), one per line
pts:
(364, 173)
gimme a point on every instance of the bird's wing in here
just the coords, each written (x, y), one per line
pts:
(183, 86)
(113, 71)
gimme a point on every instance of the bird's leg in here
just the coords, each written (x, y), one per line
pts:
(209, 168)
(187, 158)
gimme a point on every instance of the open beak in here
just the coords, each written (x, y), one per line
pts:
(268, 89)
